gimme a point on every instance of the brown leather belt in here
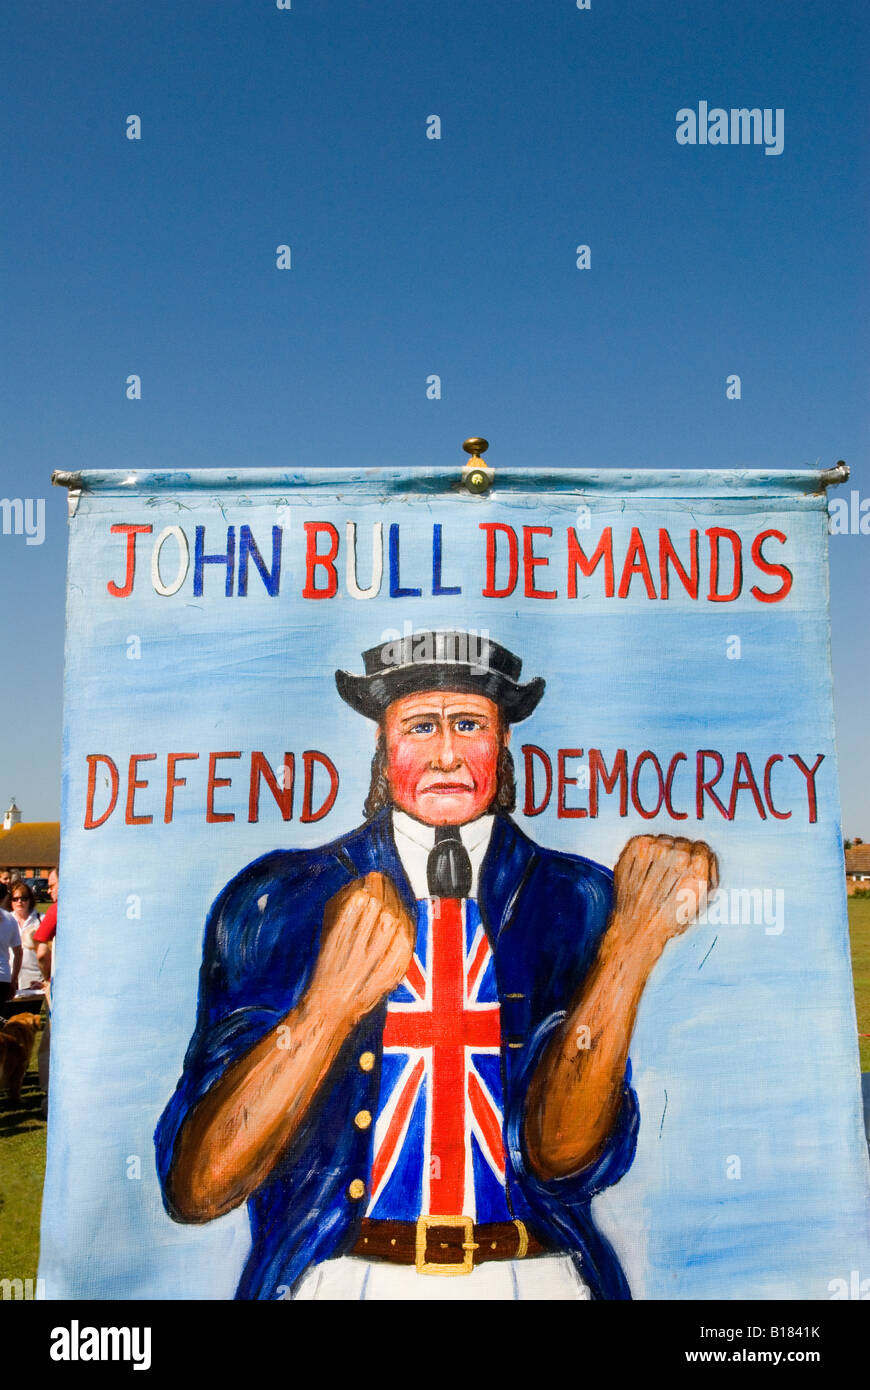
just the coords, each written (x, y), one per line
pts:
(444, 1244)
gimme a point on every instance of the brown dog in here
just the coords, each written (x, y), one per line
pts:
(16, 1045)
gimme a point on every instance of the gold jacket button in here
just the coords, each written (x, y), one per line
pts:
(362, 1119)
(366, 1061)
(356, 1189)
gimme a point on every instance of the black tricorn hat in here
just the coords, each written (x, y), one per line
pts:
(464, 661)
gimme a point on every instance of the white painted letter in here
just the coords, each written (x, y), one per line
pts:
(353, 587)
(183, 561)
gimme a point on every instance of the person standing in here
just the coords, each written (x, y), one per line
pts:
(43, 938)
(28, 919)
(10, 949)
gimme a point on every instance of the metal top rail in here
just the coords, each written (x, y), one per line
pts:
(386, 482)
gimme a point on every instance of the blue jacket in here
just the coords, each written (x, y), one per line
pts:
(544, 912)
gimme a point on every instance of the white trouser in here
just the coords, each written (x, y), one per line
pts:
(351, 1278)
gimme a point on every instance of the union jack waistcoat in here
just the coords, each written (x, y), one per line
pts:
(438, 1144)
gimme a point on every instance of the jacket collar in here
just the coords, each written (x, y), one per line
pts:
(508, 864)
(372, 849)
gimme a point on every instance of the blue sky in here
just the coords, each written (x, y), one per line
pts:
(413, 257)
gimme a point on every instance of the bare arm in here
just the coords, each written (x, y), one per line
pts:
(43, 958)
(576, 1091)
(236, 1133)
(17, 955)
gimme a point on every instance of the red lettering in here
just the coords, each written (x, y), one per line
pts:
(530, 560)
(314, 560)
(781, 570)
(747, 784)
(130, 818)
(260, 768)
(564, 812)
(768, 796)
(636, 562)
(530, 752)
(717, 533)
(598, 768)
(172, 782)
(93, 759)
(212, 816)
(668, 555)
(703, 784)
(577, 560)
(492, 528)
(308, 761)
(672, 767)
(646, 756)
(131, 532)
(810, 774)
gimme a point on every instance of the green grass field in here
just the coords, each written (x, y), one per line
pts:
(22, 1130)
(22, 1168)
(859, 928)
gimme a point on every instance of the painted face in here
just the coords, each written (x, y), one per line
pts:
(442, 755)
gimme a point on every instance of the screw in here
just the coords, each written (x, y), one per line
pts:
(476, 480)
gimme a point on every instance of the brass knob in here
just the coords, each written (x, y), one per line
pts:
(476, 447)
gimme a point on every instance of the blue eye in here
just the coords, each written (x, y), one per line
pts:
(424, 727)
(467, 726)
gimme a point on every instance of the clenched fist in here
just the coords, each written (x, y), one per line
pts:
(661, 884)
(368, 941)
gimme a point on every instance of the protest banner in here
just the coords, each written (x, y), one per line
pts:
(347, 997)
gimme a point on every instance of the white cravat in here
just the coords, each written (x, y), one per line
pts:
(414, 840)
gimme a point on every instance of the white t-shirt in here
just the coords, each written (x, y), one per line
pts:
(10, 940)
(30, 975)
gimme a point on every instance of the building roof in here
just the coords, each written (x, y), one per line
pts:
(857, 859)
(30, 845)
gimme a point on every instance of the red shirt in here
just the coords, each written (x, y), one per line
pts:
(48, 926)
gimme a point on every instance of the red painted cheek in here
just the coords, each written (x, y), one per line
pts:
(405, 767)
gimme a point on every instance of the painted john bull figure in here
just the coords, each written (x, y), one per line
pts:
(411, 1050)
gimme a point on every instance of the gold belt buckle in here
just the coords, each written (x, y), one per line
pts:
(469, 1245)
